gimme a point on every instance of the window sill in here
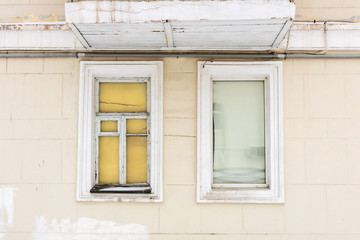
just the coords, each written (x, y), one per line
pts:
(242, 195)
(131, 188)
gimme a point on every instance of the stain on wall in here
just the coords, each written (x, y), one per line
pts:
(53, 17)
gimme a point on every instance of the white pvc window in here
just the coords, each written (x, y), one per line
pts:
(134, 130)
(240, 132)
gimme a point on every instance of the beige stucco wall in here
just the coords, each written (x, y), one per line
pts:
(53, 10)
(328, 10)
(38, 144)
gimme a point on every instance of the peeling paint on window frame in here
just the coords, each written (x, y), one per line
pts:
(88, 128)
(121, 118)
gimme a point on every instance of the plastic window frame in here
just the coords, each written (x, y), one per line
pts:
(273, 190)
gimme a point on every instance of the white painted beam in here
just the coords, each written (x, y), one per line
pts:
(280, 37)
(79, 36)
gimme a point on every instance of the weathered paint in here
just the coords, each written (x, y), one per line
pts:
(131, 71)
(322, 36)
(115, 97)
(180, 24)
(40, 26)
(303, 36)
(53, 17)
(209, 34)
(87, 228)
(35, 36)
(157, 11)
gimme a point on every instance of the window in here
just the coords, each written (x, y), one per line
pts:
(120, 131)
(240, 132)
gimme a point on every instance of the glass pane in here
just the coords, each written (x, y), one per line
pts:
(122, 97)
(109, 126)
(108, 159)
(238, 118)
(136, 159)
(136, 126)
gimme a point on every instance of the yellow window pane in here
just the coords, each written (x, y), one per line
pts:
(108, 126)
(136, 159)
(108, 159)
(122, 97)
(136, 126)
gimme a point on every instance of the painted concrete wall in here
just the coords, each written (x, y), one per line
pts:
(330, 10)
(53, 10)
(32, 10)
(38, 143)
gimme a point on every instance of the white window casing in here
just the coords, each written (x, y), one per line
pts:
(88, 126)
(273, 190)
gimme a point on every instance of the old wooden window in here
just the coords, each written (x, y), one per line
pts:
(120, 131)
(122, 135)
(240, 132)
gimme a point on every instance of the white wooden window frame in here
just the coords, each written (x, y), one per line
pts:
(88, 129)
(121, 119)
(273, 190)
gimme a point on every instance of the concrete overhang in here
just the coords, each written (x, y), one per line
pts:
(180, 25)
